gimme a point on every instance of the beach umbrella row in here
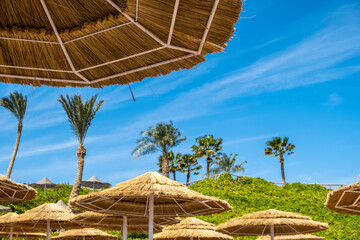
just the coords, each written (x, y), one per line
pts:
(45, 183)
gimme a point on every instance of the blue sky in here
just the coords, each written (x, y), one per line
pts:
(291, 69)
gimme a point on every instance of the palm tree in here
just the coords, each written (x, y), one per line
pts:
(226, 163)
(208, 147)
(174, 163)
(16, 103)
(279, 147)
(162, 138)
(189, 164)
(80, 113)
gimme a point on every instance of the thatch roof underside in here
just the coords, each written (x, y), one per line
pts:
(105, 42)
(293, 237)
(258, 224)
(345, 199)
(27, 235)
(192, 228)
(38, 217)
(171, 199)
(85, 233)
(115, 222)
(14, 192)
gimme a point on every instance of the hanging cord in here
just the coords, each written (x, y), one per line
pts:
(131, 93)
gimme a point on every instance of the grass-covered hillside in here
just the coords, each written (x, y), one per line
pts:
(255, 194)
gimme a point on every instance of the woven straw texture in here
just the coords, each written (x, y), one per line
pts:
(171, 198)
(85, 233)
(293, 237)
(6, 222)
(345, 199)
(191, 228)
(23, 235)
(14, 192)
(115, 222)
(104, 42)
(258, 224)
(37, 218)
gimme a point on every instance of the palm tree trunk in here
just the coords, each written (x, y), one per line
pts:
(188, 178)
(165, 164)
(174, 175)
(282, 169)
(80, 153)
(13, 156)
(208, 162)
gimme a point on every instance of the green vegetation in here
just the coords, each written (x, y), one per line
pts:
(248, 195)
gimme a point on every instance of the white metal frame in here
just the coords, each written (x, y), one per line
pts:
(84, 80)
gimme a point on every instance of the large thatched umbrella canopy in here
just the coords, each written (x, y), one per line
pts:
(14, 192)
(293, 237)
(45, 183)
(191, 228)
(271, 222)
(115, 222)
(84, 234)
(150, 194)
(27, 235)
(46, 217)
(345, 199)
(104, 42)
(95, 183)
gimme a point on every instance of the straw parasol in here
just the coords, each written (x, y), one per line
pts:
(115, 222)
(104, 42)
(44, 183)
(6, 225)
(84, 234)
(95, 183)
(192, 228)
(271, 222)
(5, 209)
(14, 192)
(46, 217)
(62, 204)
(345, 199)
(24, 235)
(293, 237)
(150, 194)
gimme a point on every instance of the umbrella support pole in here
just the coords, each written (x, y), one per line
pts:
(124, 232)
(48, 230)
(151, 217)
(272, 232)
(11, 233)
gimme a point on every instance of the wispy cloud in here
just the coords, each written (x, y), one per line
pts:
(333, 100)
(250, 139)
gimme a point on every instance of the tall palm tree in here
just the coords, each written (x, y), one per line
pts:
(16, 103)
(174, 163)
(162, 138)
(226, 163)
(189, 164)
(279, 147)
(80, 113)
(208, 147)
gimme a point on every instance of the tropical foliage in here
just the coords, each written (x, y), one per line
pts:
(278, 148)
(207, 146)
(162, 138)
(80, 113)
(189, 164)
(226, 163)
(174, 163)
(16, 103)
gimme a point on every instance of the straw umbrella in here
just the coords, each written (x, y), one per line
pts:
(271, 222)
(24, 235)
(6, 225)
(345, 199)
(150, 194)
(98, 43)
(293, 237)
(44, 183)
(115, 222)
(191, 228)
(84, 234)
(62, 204)
(4, 209)
(46, 217)
(14, 192)
(95, 183)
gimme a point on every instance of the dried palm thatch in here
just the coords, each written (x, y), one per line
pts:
(115, 222)
(95, 183)
(132, 197)
(27, 235)
(260, 223)
(6, 224)
(191, 228)
(105, 42)
(293, 237)
(345, 199)
(14, 192)
(84, 234)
